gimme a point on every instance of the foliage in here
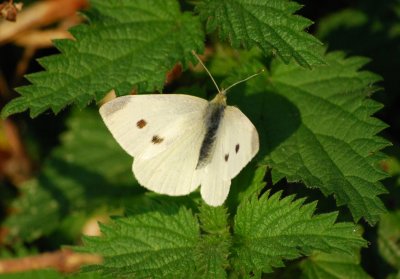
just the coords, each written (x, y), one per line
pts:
(166, 241)
(293, 211)
(389, 238)
(128, 44)
(87, 172)
(269, 25)
(332, 144)
(333, 266)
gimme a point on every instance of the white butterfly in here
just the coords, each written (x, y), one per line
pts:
(180, 141)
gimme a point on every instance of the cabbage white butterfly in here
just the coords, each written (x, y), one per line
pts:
(180, 141)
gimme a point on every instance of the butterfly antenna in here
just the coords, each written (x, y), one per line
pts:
(243, 80)
(205, 68)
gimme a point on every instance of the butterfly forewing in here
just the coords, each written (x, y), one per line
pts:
(164, 134)
(173, 171)
(145, 125)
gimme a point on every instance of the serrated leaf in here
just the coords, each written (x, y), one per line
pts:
(389, 238)
(214, 220)
(160, 243)
(127, 44)
(249, 183)
(269, 25)
(213, 247)
(87, 172)
(333, 266)
(273, 229)
(256, 185)
(335, 146)
(316, 127)
(212, 256)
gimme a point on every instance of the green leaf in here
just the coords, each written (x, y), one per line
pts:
(315, 126)
(273, 229)
(214, 220)
(159, 243)
(89, 171)
(128, 44)
(335, 146)
(394, 275)
(212, 256)
(389, 238)
(256, 184)
(333, 266)
(249, 183)
(213, 248)
(269, 25)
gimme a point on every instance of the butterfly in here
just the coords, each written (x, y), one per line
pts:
(180, 142)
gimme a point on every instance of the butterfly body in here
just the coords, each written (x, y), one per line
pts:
(180, 142)
(213, 116)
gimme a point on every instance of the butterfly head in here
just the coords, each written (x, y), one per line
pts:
(220, 98)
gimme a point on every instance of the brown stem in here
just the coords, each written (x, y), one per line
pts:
(18, 168)
(38, 15)
(62, 260)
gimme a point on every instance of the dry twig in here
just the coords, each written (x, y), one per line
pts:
(16, 165)
(62, 260)
(38, 15)
(9, 10)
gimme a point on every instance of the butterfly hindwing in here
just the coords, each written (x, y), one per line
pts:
(236, 144)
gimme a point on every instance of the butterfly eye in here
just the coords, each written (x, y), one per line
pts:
(156, 139)
(141, 123)
(237, 148)
(226, 157)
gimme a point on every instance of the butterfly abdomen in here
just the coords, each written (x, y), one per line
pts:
(212, 119)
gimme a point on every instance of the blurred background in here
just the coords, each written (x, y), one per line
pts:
(359, 28)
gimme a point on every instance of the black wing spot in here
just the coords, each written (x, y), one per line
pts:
(141, 123)
(237, 148)
(226, 157)
(156, 139)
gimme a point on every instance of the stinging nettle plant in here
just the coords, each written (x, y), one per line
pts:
(312, 109)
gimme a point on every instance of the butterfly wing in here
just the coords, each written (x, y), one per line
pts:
(173, 171)
(236, 144)
(164, 134)
(146, 125)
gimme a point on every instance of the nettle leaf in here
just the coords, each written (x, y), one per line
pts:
(315, 126)
(87, 172)
(128, 44)
(213, 248)
(333, 266)
(394, 275)
(269, 25)
(273, 229)
(389, 238)
(214, 220)
(159, 243)
(334, 146)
